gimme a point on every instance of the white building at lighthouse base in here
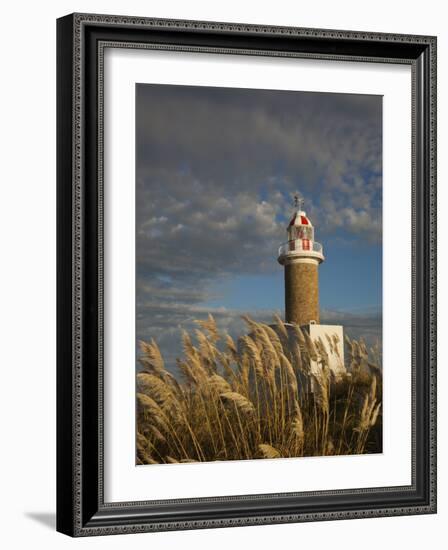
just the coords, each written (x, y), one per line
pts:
(332, 338)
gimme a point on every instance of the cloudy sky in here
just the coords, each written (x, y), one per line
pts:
(216, 169)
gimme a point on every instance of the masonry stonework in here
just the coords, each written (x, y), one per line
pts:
(301, 293)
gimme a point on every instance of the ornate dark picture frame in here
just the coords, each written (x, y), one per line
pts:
(81, 509)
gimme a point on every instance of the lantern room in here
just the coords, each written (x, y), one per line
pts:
(301, 243)
(300, 228)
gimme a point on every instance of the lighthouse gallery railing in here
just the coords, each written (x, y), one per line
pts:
(300, 245)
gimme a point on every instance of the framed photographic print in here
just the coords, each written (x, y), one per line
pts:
(246, 274)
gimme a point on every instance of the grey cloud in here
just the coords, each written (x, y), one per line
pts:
(194, 145)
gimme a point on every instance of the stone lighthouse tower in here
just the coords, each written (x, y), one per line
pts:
(301, 256)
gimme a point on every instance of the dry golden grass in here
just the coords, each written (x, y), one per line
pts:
(256, 398)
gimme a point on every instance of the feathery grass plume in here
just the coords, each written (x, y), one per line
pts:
(261, 340)
(141, 440)
(243, 368)
(374, 369)
(243, 408)
(231, 347)
(241, 403)
(185, 369)
(376, 354)
(145, 383)
(146, 405)
(198, 370)
(210, 326)
(161, 392)
(374, 415)
(296, 356)
(372, 391)
(144, 458)
(151, 359)
(207, 350)
(143, 453)
(368, 417)
(330, 342)
(368, 407)
(219, 384)
(299, 352)
(298, 332)
(290, 374)
(173, 383)
(363, 356)
(273, 337)
(266, 360)
(355, 357)
(226, 363)
(270, 354)
(189, 349)
(362, 348)
(281, 326)
(157, 434)
(253, 325)
(321, 394)
(150, 410)
(253, 353)
(336, 341)
(356, 351)
(297, 428)
(268, 451)
(364, 418)
(310, 347)
(323, 354)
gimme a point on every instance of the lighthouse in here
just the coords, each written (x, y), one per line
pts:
(301, 256)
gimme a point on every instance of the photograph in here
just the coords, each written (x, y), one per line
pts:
(258, 231)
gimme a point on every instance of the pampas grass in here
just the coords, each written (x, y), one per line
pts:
(256, 398)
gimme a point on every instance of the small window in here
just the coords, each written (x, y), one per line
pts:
(303, 232)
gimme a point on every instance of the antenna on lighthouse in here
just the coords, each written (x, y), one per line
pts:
(298, 201)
